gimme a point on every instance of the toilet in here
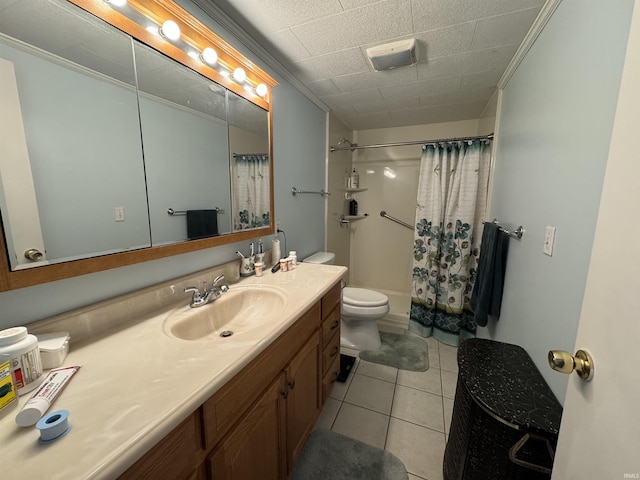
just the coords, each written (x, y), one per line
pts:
(360, 308)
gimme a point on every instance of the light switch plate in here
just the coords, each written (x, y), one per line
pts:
(549, 238)
(118, 213)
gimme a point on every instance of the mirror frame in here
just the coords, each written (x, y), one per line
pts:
(199, 36)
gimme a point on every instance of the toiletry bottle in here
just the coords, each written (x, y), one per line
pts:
(353, 207)
(355, 179)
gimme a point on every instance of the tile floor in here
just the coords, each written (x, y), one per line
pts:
(407, 413)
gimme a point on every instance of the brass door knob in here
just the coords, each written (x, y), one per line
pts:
(564, 362)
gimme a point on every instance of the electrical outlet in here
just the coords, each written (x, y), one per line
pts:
(277, 225)
(118, 213)
(549, 238)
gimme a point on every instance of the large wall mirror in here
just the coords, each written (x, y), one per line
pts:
(118, 145)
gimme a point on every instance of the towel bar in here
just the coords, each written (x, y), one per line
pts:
(517, 233)
(173, 212)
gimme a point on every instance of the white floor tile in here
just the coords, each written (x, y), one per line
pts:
(340, 388)
(370, 393)
(428, 381)
(418, 407)
(420, 449)
(376, 370)
(449, 382)
(362, 424)
(448, 358)
(328, 414)
(448, 412)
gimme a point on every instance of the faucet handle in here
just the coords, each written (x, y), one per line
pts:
(194, 290)
(217, 279)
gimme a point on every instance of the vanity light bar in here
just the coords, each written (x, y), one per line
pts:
(179, 30)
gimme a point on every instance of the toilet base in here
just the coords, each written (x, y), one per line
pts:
(359, 334)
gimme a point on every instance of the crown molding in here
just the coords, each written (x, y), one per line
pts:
(536, 28)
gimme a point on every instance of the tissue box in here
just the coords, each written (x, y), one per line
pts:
(53, 348)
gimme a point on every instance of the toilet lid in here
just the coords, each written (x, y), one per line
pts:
(362, 297)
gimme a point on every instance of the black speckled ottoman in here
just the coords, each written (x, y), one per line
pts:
(505, 417)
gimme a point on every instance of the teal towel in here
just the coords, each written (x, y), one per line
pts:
(486, 298)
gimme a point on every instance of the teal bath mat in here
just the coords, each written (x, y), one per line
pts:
(400, 351)
(329, 455)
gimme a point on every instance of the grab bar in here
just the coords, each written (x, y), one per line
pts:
(393, 219)
(322, 193)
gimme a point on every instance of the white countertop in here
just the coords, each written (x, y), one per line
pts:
(136, 384)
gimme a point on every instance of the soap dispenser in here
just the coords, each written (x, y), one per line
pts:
(354, 179)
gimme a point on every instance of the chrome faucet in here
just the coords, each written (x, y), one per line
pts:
(198, 298)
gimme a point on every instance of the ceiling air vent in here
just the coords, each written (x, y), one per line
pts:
(393, 55)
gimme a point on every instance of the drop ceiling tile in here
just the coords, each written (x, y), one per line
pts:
(331, 65)
(469, 62)
(488, 78)
(352, 98)
(439, 114)
(445, 41)
(503, 29)
(274, 16)
(388, 19)
(380, 107)
(369, 121)
(350, 4)
(371, 79)
(323, 88)
(469, 96)
(289, 45)
(435, 86)
(431, 14)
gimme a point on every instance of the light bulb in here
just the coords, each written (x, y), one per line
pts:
(209, 56)
(170, 30)
(262, 89)
(239, 75)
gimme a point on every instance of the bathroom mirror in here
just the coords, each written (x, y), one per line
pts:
(112, 138)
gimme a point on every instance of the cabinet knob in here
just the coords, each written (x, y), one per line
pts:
(292, 384)
(335, 325)
(33, 254)
(285, 394)
(335, 351)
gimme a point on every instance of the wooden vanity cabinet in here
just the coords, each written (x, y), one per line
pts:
(256, 425)
(330, 340)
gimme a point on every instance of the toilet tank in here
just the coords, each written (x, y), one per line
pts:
(326, 258)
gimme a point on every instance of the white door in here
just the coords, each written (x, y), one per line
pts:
(600, 429)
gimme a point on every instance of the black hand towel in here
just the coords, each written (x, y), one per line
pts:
(486, 298)
(202, 224)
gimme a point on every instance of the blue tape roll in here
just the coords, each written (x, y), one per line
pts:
(53, 426)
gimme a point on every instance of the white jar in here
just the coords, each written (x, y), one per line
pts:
(21, 350)
(294, 258)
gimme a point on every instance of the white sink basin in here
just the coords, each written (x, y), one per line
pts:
(244, 312)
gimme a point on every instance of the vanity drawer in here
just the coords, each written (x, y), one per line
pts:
(330, 353)
(331, 325)
(222, 410)
(330, 300)
(330, 378)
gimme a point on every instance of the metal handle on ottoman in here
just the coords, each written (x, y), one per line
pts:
(513, 452)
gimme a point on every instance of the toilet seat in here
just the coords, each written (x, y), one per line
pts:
(362, 297)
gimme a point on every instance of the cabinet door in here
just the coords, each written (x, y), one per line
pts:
(255, 446)
(303, 401)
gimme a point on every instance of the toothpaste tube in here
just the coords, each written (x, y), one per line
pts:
(48, 391)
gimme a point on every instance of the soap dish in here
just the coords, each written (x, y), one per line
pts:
(53, 348)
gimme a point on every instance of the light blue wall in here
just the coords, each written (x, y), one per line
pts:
(555, 127)
(300, 144)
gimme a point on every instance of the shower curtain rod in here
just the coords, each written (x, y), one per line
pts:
(355, 146)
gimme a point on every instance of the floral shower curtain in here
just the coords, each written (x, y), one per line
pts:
(452, 200)
(250, 191)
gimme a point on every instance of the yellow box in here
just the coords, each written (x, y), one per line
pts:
(7, 392)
